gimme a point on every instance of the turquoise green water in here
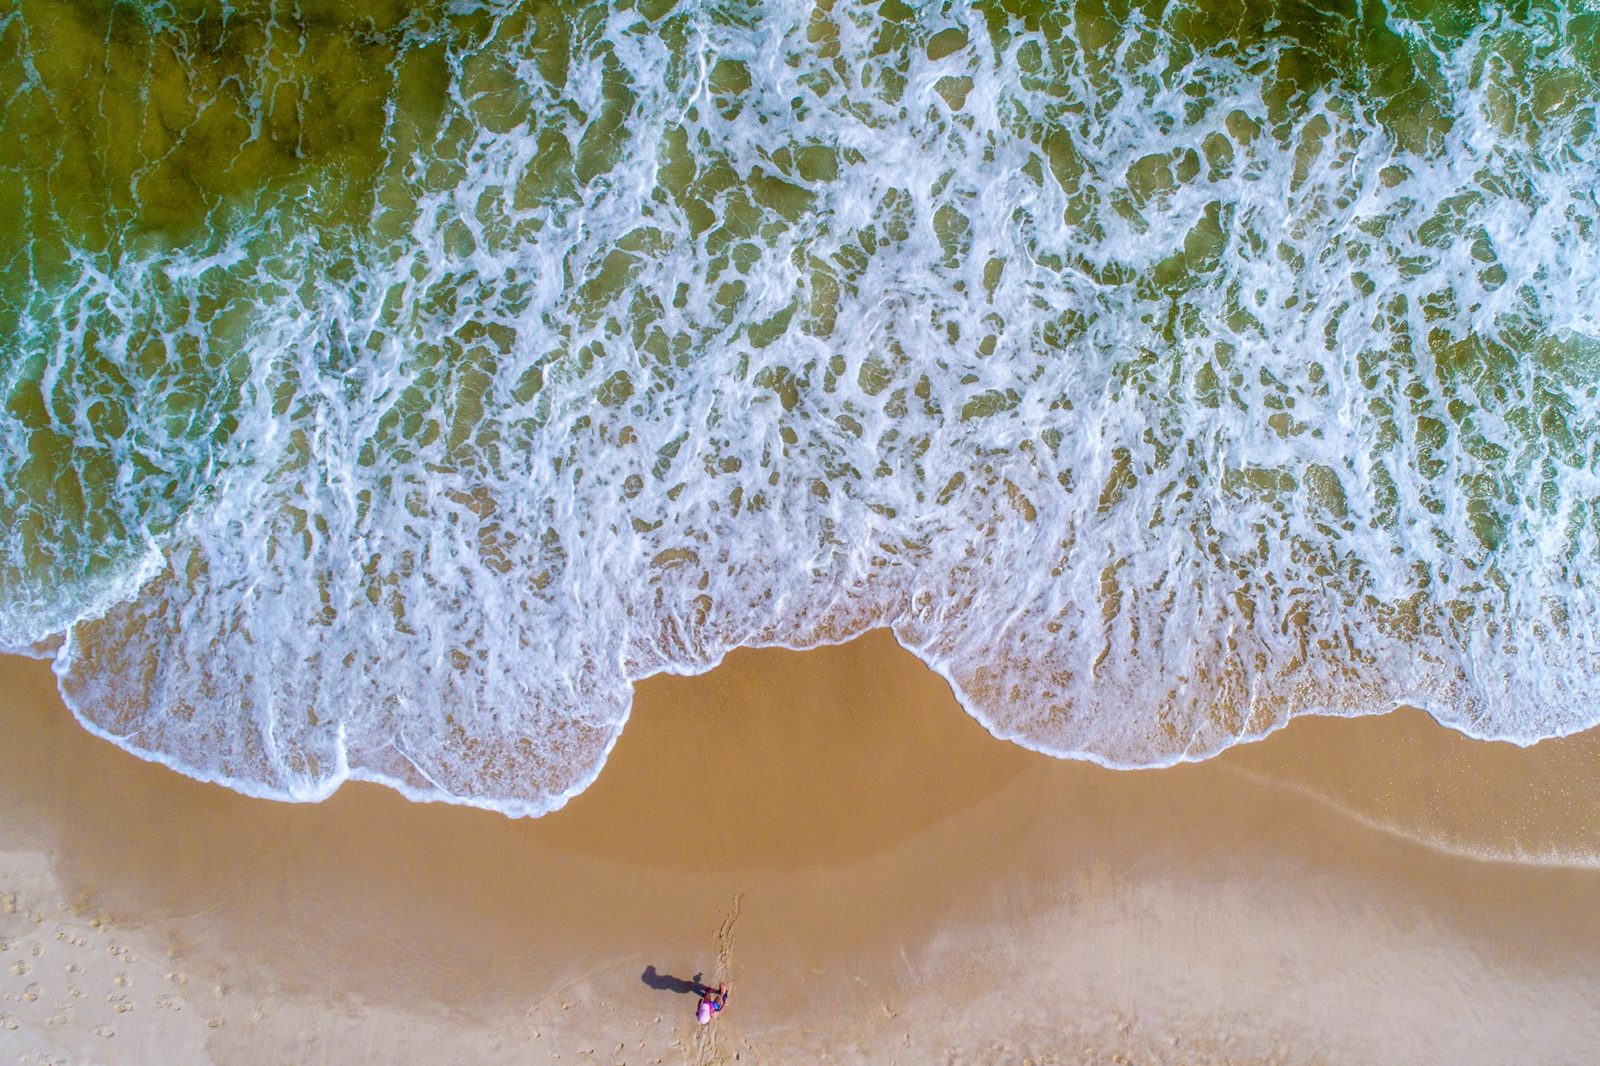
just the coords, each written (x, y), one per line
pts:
(387, 386)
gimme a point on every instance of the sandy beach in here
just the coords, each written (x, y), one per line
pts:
(879, 879)
(419, 390)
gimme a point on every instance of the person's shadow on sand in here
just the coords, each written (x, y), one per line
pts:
(665, 982)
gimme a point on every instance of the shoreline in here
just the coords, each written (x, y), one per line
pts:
(909, 883)
(45, 651)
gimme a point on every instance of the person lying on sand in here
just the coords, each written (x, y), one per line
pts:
(711, 1003)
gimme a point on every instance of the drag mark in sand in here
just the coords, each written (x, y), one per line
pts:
(725, 940)
(705, 1046)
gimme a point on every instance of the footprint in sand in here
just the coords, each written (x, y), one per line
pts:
(176, 977)
(21, 969)
(122, 980)
(104, 1030)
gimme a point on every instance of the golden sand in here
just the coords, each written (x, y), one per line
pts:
(879, 879)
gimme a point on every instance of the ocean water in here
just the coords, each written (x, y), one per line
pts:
(387, 386)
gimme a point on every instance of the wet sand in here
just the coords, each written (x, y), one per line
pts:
(880, 879)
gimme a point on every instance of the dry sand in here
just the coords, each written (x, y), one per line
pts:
(880, 879)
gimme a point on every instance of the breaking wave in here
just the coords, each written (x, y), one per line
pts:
(385, 394)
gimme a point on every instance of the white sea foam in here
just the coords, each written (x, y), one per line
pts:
(1145, 407)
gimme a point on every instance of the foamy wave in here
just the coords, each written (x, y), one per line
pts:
(1150, 393)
